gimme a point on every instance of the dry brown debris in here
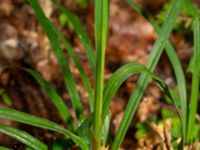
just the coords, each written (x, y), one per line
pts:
(157, 138)
(194, 146)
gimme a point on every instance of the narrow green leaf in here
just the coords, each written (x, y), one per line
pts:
(143, 81)
(29, 119)
(175, 64)
(166, 90)
(56, 99)
(195, 81)
(69, 80)
(121, 75)
(23, 137)
(191, 8)
(84, 131)
(101, 32)
(116, 80)
(76, 60)
(106, 132)
(81, 34)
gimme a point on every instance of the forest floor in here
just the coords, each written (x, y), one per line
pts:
(131, 37)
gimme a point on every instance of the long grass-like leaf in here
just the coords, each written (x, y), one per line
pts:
(56, 99)
(106, 134)
(101, 31)
(116, 80)
(82, 35)
(191, 8)
(195, 81)
(69, 80)
(76, 60)
(175, 64)
(29, 119)
(195, 72)
(23, 137)
(121, 75)
(143, 80)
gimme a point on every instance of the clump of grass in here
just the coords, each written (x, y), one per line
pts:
(188, 113)
(91, 132)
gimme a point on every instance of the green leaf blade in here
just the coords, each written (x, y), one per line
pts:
(76, 60)
(195, 81)
(23, 137)
(116, 80)
(69, 80)
(32, 120)
(55, 98)
(175, 64)
(82, 35)
(101, 32)
(143, 81)
(191, 8)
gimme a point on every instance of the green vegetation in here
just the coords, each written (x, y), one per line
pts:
(183, 22)
(82, 3)
(188, 114)
(4, 97)
(91, 132)
(4, 148)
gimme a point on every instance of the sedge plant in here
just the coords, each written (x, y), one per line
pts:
(190, 133)
(92, 132)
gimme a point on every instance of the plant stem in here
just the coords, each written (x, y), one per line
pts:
(101, 27)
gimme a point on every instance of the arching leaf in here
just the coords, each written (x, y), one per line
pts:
(23, 137)
(29, 119)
